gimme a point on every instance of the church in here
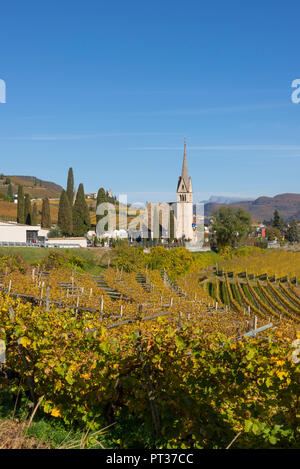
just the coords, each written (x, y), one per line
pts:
(175, 219)
(184, 205)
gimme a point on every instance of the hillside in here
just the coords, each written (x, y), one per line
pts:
(288, 206)
(36, 188)
(8, 211)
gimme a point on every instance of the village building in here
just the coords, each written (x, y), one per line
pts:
(16, 234)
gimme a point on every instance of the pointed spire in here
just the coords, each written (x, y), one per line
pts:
(185, 172)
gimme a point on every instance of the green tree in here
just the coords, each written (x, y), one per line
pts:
(128, 258)
(21, 205)
(70, 186)
(101, 198)
(10, 193)
(273, 233)
(46, 217)
(65, 221)
(34, 219)
(81, 216)
(172, 226)
(292, 234)
(231, 226)
(54, 232)
(27, 210)
(277, 221)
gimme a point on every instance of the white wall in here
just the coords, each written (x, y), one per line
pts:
(184, 220)
(16, 233)
(67, 242)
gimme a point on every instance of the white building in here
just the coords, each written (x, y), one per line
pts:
(11, 232)
(15, 234)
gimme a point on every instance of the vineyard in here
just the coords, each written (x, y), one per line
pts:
(268, 300)
(259, 262)
(166, 363)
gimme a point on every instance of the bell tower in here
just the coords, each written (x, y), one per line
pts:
(184, 186)
(184, 206)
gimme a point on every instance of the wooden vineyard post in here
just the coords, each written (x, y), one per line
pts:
(179, 319)
(149, 384)
(11, 314)
(33, 274)
(101, 307)
(91, 292)
(42, 291)
(171, 302)
(47, 297)
(77, 304)
(255, 322)
(121, 310)
(165, 277)
(216, 306)
(140, 312)
(9, 286)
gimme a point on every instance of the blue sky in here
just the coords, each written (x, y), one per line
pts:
(112, 88)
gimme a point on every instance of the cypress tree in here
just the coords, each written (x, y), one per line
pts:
(70, 186)
(65, 221)
(10, 193)
(81, 216)
(46, 218)
(34, 218)
(101, 198)
(277, 222)
(27, 210)
(172, 225)
(21, 204)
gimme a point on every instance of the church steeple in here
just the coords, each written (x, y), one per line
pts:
(185, 171)
(184, 187)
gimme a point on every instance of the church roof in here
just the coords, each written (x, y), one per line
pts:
(185, 171)
(184, 178)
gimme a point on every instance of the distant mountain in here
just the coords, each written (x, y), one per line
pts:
(222, 199)
(288, 206)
